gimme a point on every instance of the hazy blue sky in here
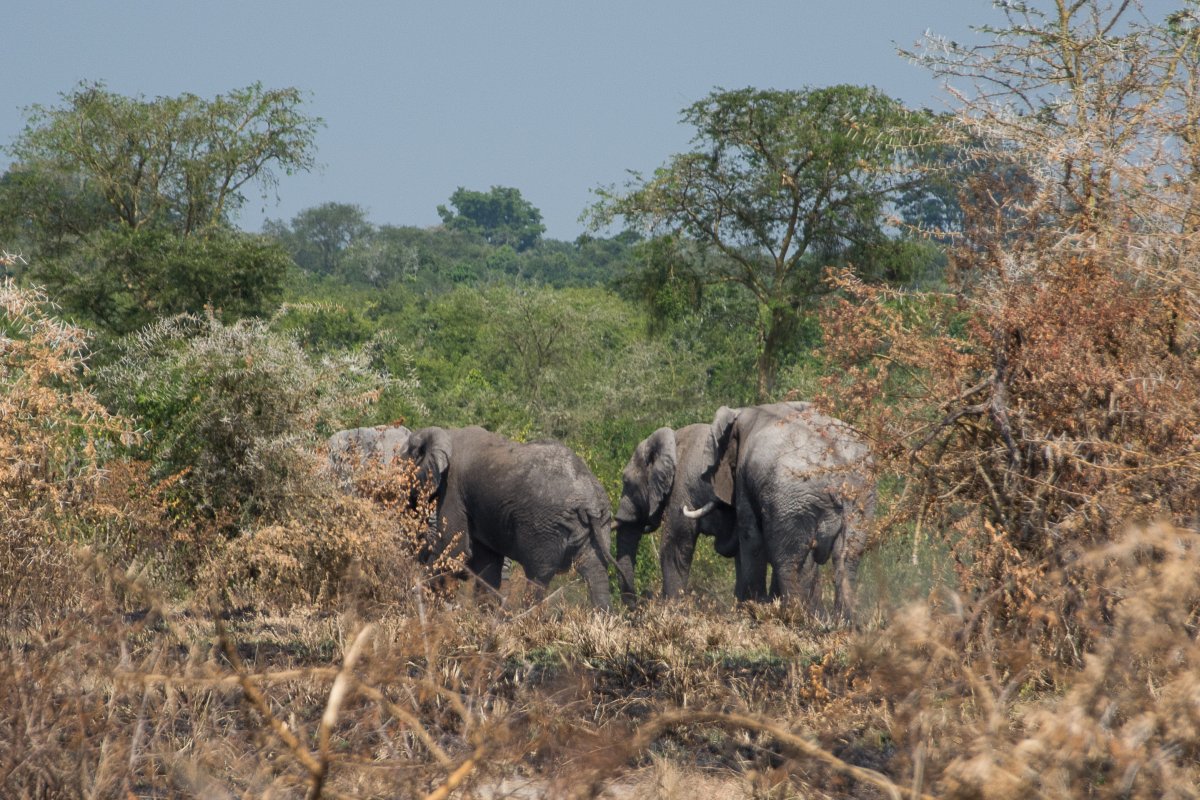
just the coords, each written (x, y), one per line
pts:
(553, 97)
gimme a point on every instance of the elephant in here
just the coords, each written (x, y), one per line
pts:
(354, 447)
(663, 476)
(536, 503)
(801, 486)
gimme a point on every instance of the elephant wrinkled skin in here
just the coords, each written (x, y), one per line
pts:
(535, 503)
(802, 488)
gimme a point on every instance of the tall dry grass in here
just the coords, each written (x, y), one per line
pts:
(137, 695)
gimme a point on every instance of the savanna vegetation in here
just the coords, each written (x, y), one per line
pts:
(1003, 300)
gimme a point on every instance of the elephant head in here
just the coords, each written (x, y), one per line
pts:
(646, 484)
(721, 449)
(661, 484)
(798, 481)
(429, 449)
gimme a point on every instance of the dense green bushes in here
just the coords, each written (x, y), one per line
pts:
(225, 407)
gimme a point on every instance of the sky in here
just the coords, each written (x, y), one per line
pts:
(552, 97)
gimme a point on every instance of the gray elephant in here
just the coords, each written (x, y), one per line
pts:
(802, 488)
(664, 476)
(535, 503)
(352, 448)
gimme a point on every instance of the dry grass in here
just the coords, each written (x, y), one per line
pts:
(135, 696)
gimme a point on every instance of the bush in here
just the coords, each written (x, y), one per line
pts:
(122, 280)
(230, 411)
(53, 436)
(1049, 398)
(330, 546)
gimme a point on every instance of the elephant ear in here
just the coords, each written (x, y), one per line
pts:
(721, 453)
(437, 456)
(657, 452)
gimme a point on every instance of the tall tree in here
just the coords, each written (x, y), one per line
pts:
(501, 216)
(179, 161)
(319, 236)
(776, 182)
(125, 203)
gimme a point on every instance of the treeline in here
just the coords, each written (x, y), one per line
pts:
(224, 347)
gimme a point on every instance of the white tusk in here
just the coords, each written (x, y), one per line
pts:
(699, 512)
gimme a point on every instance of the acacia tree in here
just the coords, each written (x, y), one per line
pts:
(179, 161)
(776, 182)
(126, 202)
(1096, 107)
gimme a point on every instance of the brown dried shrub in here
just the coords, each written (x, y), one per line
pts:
(972, 715)
(53, 433)
(1028, 426)
(370, 545)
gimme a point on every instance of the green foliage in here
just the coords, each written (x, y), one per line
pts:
(181, 162)
(499, 216)
(227, 408)
(123, 279)
(324, 327)
(902, 261)
(420, 258)
(319, 236)
(334, 239)
(127, 201)
(777, 183)
(47, 211)
(666, 276)
(560, 363)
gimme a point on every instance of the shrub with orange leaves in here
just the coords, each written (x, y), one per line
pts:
(53, 433)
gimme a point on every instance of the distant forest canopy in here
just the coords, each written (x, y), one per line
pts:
(123, 209)
(474, 246)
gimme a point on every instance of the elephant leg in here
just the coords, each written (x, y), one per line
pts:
(810, 587)
(675, 556)
(452, 544)
(628, 541)
(486, 564)
(751, 565)
(592, 567)
(787, 560)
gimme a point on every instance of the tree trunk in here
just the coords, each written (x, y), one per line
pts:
(768, 357)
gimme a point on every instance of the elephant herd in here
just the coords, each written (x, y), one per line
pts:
(779, 484)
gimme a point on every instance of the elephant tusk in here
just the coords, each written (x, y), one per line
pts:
(699, 512)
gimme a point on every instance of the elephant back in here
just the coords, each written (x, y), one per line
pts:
(352, 448)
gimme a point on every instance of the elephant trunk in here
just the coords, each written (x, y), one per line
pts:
(628, 539)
